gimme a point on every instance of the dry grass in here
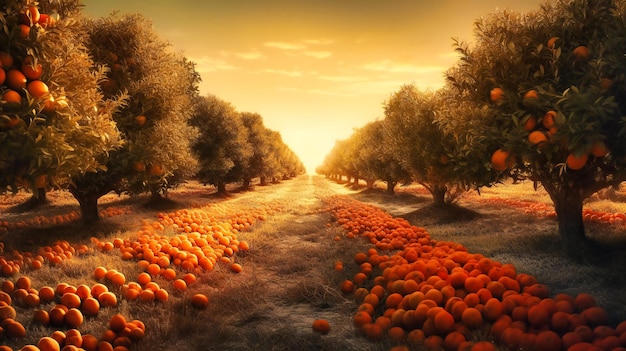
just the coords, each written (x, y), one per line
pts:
(289, 278)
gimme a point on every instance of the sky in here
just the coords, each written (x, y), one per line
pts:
(314, 69)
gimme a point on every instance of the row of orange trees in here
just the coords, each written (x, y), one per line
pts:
(101, 105)
(539, 96)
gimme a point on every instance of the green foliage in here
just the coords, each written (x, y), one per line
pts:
(68, 131)
(161, 86)
(222, 148)
(579, 75)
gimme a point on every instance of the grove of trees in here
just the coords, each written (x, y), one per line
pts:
(100, 105)
(538, 96)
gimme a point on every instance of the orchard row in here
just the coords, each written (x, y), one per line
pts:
(419, 292)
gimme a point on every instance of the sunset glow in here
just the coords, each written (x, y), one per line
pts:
(315, 69)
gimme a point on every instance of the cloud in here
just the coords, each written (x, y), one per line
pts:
(343, 78)
(318, 41)
(398, 67)
(318, 54)
(284, 72)
(250, 55)
(284, 46)
(302, 47)
(207, 64)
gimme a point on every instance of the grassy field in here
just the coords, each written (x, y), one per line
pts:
(289, 277)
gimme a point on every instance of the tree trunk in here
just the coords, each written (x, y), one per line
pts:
(263, 181)
(391, 186)
(370, 184)
(246, 183)
(221, 187)
(439, 194)
(88, 207)
(568, 204)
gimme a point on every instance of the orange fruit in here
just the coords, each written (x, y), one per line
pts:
(71, 300)
(530, 123)
(5, 59)
(581, 53)
(156, 170)
(117, 323)
(472, 318)
(531, 94)
(147, 295)
(31, 70)
(99, 272)
(500, 160)
(444, 322)
(12, 97)
(548, 119)
(140, 120)
(200, 301)
(321, 326)
(599, 149)
(552, 42)
(38, 89)
(547, 340)
(496, 95)
(48, 344)
(576, 162)
(90, 306)
(41, 317)
(139, 167)
(73, 318)
(16, 80)
(537, 138)
(107, 299)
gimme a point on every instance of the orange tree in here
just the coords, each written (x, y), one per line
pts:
(419, 144)
(546, 96)
(376, 161)
(282, 162)
(160, 84)
(54, 123)
(222, 148)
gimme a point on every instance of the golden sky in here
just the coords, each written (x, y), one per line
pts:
(314, 69)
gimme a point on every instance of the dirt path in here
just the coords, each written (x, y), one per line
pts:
(288, 279)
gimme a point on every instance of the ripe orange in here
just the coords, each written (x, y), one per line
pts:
(581, 53)
(500, 160)
(31, 70)
(6, 60)
(156, 170)
(33, 13)
(530, 124)
(599, 149)
(472, 318)
(548, 119)
(552, 42)
(140, 120)
(576, 162)
(47, 343)
(16, 80)
(38, 89)
(200, 301)
(537, 138)
(71, 300)
(496, 95)
(3, 75)
(90, 306)
(321, 326)
(73, 318)
(139, 167)
(41, 317)
(531, 94)
(107, 299)
(444, 322)
(12, 97)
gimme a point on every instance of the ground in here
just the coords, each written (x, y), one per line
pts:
(289, 277)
